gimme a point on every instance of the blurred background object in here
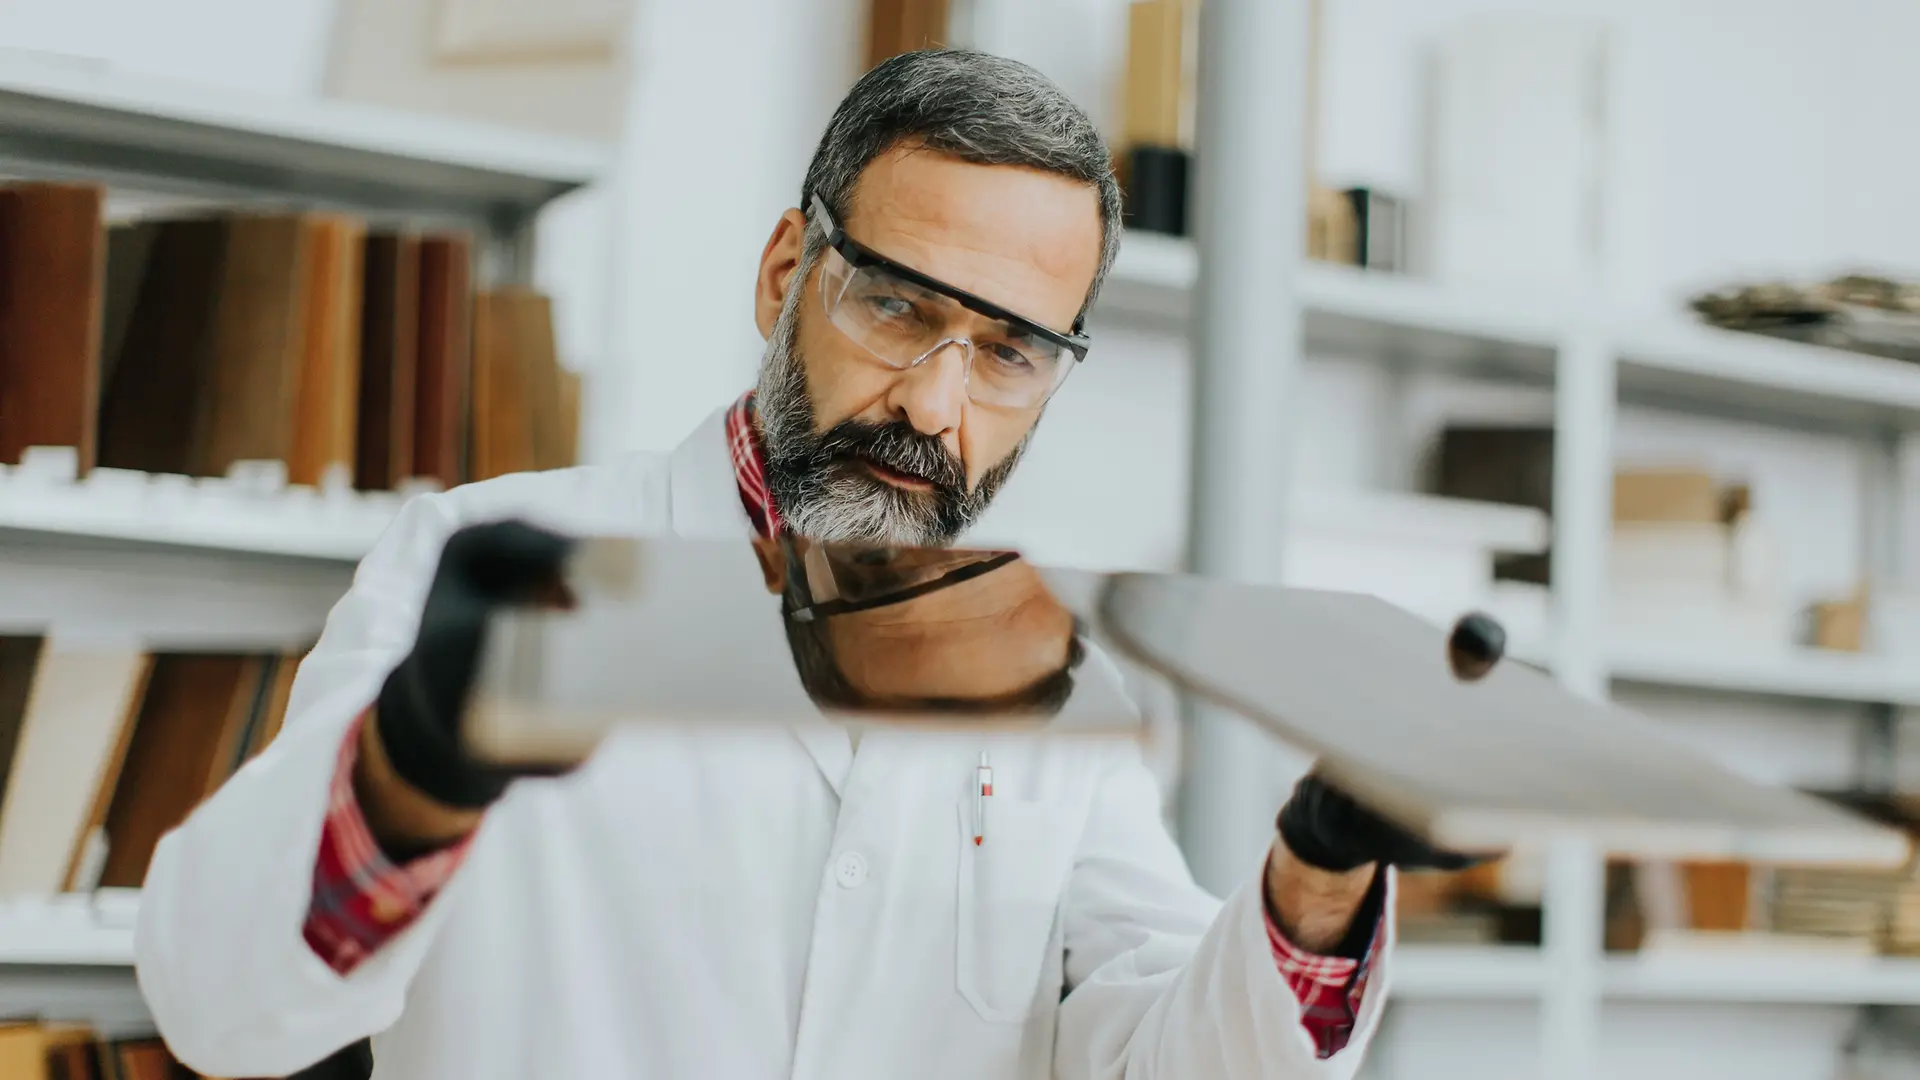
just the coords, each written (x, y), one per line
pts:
(1606, 317)
(559, 67)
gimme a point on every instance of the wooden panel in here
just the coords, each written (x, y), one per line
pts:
(83, 699)
(503, 426)
(389, 351)
(279, 692)
(52, 262)
(23, 1054)
(445, 359)
(1506, 760)
(1155, 109)
(19, 657)
(328, 397)
(546, 409)
(174, 758)
(152, 415)
(1717, 895)
(258, 341)
(898, 26)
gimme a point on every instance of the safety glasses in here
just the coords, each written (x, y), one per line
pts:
(840, 579)
(903, 317)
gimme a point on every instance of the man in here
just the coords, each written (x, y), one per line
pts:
(724, 905)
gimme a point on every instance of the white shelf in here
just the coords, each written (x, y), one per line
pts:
(76, 929)
(1665, 358)
(1749, 373)
(1348, 311)
(172, 563)
(1800, 673)
(84, 118)
(221, 514)
(1770, 978)
(1452, 972)
(1507, 972)
(1424, 519)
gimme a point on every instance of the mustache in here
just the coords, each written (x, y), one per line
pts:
(899, 447)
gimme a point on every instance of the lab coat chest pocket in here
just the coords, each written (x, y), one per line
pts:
(1010, 889)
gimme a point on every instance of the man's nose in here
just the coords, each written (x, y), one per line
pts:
(932, 394)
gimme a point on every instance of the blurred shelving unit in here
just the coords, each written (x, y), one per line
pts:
(1515, 973)
(1766, 978)
(73, 120)
(244, 562)
(1457, 972)
(1596, 359)
(1666, 359)
(1794, 673)
(93, 929)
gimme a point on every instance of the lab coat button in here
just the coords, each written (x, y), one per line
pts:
(850, 870)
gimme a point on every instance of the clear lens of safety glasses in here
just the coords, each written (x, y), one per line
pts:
(903, 323)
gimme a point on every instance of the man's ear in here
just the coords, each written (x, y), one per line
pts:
(773, 564)
(777, 265)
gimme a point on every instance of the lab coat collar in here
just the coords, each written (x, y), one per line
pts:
(705, 499)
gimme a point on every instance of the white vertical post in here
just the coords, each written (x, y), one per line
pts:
(1572, 947)
(1882, 525)
(1249, 211)
(1882, 510)
(1574, 895)
(1583, 417)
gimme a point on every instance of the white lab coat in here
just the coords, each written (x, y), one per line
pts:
(717, 906)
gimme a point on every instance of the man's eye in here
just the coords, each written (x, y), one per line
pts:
(890, 307)
(1010, 358)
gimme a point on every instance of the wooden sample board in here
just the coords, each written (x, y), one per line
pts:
(443, 359)
(675, 631)
(389, 361)
(684, 631)
(1511, 760)
(71, 739)
(52, 273)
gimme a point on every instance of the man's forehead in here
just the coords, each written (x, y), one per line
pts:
(1016, 236)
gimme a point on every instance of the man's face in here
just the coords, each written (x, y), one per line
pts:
(859, 450)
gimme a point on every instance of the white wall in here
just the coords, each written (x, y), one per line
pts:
(269, 47)
(729, 98)
(1758, 137)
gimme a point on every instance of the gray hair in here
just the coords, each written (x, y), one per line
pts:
(980, 108)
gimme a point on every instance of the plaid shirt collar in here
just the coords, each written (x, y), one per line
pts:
(750, 470)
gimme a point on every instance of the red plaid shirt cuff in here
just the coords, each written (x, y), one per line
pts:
(362, 899)
(1329, 988)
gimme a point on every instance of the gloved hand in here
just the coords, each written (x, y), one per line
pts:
(1324, 827)
(483, 569)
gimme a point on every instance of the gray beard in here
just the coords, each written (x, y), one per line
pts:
(834, 499)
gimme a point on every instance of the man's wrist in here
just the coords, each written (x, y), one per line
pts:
(423, 747)
(404, 821)
(1313, 907)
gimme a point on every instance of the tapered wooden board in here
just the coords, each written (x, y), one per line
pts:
(1511, 760)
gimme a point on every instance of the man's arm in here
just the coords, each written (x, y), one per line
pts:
(1165, 981)
(220, 954)
(1315, 908)
(406, 795)
(404, 822)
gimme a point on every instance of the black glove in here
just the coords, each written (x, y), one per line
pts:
(483, 568)
(1324, 827)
